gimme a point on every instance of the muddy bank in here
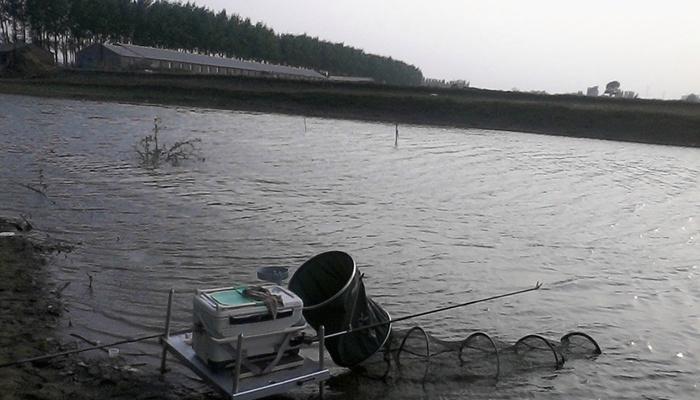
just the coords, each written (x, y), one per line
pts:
(30, 313)
(644, 121)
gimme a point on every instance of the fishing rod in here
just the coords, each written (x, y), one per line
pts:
(76, 351)
(537, 286)
(332, 335)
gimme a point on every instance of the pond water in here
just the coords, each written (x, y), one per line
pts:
(448, 215)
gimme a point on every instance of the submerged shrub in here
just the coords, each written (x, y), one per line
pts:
(152, 154)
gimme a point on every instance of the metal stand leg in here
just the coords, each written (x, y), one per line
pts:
(239, 361)
(168, 314)
(321, 356)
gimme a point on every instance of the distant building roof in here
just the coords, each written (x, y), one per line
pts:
(130, 50)
(355, 79)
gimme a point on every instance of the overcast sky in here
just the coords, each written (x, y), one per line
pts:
(651, 47)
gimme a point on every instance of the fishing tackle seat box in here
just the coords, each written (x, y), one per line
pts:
(224, 313)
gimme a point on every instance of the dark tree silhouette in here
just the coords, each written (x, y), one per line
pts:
(613, 89)
(67, 26)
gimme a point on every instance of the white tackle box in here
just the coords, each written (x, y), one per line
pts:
(220, 315)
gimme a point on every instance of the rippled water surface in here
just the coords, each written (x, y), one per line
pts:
(447, 216)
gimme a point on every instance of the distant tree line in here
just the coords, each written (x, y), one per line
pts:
(67, 26)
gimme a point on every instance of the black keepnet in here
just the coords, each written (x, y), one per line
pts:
(331, 288)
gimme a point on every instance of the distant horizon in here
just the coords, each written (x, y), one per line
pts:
(544, 45)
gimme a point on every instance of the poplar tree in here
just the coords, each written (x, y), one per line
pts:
(67, 26)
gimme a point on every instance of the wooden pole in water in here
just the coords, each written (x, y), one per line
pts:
(304, 124)
(396, 138)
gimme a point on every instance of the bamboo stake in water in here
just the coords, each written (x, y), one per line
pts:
(396, 137)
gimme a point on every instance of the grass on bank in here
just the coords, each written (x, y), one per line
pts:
(647, 121)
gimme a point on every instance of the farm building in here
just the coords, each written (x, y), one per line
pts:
(25, 58)
(128, 57)
(350, 79)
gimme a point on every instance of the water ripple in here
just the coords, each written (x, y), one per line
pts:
(447, 216)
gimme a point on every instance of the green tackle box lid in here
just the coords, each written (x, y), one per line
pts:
(233, 297)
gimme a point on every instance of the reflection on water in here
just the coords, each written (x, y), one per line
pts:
(449, 214)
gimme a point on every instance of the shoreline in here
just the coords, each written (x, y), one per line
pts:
(641, 121)
(30, 319)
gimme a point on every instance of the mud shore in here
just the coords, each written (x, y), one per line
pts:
(632, 120)
(30, 313)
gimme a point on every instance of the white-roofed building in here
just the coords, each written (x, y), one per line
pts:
(129, 57)
(351, 79)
